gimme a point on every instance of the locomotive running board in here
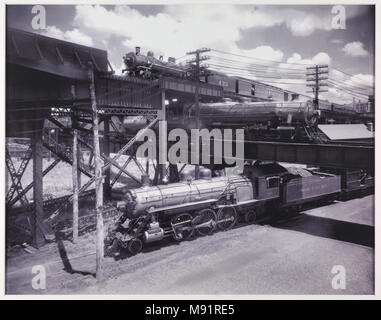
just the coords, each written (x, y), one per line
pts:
(243, 203)
(183, 206)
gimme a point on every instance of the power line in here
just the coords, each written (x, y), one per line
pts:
(349, 91)
(262, 79)
(343, 84)
(259, 70)
(351, 77)
(236, 62)
(256, 72)
(271, 61)
(365, 92)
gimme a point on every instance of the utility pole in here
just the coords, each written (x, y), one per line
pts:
(315, 76)
(75, 171)
(197, 73)
(98, 179)
(75, 179)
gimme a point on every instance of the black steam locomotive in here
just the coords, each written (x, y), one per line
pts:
(149, 67)
(181, 210)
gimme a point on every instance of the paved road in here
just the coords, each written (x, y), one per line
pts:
(294, 255)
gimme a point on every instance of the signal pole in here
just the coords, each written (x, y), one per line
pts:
(197, 61)
(315, 76)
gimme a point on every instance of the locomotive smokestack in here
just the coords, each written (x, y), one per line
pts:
(137, 50)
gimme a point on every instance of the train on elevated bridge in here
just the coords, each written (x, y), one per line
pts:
(48, 81)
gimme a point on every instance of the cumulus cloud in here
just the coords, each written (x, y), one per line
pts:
(261, 52)
(362, 79)
(355, 49)
(319, 58)
(359, 85)
(178, 28)
(74, 35)
(181, 28)
(302, 25)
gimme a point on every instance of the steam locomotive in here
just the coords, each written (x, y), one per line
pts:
(181, 210)
(275, 120)
(281, 121)
(293, 120)
(149, 67)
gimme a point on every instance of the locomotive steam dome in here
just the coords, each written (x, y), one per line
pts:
(186, 175)
(205, 173)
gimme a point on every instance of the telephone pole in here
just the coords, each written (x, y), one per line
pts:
(315, 79)
(197, 73)
(98, 178)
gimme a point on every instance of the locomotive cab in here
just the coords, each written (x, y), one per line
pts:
(266, 179)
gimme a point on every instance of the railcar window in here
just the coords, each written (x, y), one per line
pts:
(272, 182)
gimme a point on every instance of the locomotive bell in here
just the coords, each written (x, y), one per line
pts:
(150, 54)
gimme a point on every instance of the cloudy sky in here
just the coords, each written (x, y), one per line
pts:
(289, 35)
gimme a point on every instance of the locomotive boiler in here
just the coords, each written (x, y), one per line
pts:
(218, 114)
(261, 120)
(139, 201)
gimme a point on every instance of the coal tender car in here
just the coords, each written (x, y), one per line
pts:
(181, 210)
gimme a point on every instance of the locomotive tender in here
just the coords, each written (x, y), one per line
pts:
(179, 210)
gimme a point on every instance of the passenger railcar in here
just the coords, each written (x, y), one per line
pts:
(249, 88)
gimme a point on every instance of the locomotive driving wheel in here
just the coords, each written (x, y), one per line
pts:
(226, 218)
(182, 226)
(205, 222)
(250, 216)
(134, 246)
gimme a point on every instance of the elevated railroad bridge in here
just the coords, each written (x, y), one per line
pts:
(47, 78)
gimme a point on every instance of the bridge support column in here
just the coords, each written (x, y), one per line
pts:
(106, 150)
(38, 212)
(75, 173)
